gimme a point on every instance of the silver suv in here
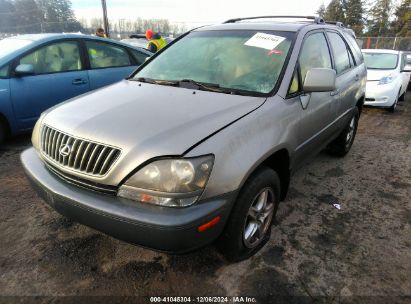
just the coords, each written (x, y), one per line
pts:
(200, 142)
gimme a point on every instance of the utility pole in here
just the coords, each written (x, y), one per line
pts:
(105, 19)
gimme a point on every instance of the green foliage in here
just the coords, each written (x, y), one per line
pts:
(7, 11)
(378, 24)
(401, 26)
(321, 11)
(37, 16)
(335, 11)
(354, 12)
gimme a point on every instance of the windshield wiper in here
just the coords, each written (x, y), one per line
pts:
(155, 81)
(214, 87)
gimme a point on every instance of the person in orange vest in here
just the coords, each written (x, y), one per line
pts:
(155, 41)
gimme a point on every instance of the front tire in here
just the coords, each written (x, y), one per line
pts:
(402, 97)
(342, 144)
(394, 106)
(249, 226)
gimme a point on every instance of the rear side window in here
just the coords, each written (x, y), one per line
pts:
(314, 54)
(4, 71)
(54, 58)
(355, 49)
(105, 55)
(139, 56)
(341, 57)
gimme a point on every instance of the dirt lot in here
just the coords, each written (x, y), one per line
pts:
(316, 250)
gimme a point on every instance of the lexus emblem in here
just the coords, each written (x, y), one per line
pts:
(65, 150)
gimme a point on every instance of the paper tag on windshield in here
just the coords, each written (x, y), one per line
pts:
(265, 41)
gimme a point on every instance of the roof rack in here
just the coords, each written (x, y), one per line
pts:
(316, 19)
(337, 23)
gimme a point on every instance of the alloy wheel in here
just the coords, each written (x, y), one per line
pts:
(350, 133)
(259, 218)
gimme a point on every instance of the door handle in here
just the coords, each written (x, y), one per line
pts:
(334, 93)
(357, 77)
(79, 81)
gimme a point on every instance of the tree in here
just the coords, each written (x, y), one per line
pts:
(401, 26)
(335, 11)
(379, 18)
(59, 15)
(28, 17)
(354, 12)
(321, 11)
(7, 14)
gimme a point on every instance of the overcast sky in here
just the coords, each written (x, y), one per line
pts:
(195, 12)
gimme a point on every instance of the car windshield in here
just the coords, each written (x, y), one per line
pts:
(247, 61)
(380, 61)
(10, 45)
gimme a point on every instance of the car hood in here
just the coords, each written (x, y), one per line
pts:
(374, 75)
(146, 120)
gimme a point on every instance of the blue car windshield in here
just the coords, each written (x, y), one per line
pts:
(246, 60)
(10, 45)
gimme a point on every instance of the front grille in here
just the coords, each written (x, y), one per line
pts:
(106, 189)
(77, 154)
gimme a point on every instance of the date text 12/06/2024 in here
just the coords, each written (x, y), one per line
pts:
(237, 299)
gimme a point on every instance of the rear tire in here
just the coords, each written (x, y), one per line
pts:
(342, 144)
(249, 226)
(3, 132)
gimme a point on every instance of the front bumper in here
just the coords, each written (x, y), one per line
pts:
(160, 228)
(380, 95)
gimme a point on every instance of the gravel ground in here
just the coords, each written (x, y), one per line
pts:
(317, 252)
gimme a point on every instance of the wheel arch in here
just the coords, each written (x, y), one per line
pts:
(360, 104)
(279, 161)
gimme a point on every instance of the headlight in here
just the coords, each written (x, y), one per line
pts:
(35, 137)
(386, 79)
(169, 182)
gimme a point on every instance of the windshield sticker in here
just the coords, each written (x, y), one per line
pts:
(265, 41)
(277, 52)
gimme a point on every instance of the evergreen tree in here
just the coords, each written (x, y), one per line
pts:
(354, 12)
(335, 11)
(7, 14)
(59, 16)
(379, 18)
(321, 11)
(28, 16)
(401, 26)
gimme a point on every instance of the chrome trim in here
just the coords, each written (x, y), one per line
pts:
(83, 184)
(163, 194)
(86, 157)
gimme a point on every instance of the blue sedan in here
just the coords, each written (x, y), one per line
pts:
(40, 71)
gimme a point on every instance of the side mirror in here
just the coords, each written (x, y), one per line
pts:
(24, 70)
(319, 80)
